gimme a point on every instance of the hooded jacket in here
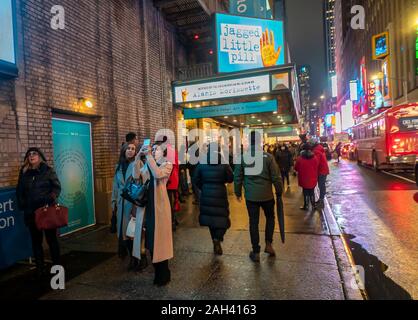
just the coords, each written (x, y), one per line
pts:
(307, 166)
(323, 163)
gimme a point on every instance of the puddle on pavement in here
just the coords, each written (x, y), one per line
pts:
(378, 285)
(345, 192)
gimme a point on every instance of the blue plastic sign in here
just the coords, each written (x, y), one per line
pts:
(231, 109)
(15, 242)
(248, 43)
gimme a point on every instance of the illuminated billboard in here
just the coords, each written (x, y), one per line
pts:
(7, 38)
(380, 45)
(222, 89)
(248, 43)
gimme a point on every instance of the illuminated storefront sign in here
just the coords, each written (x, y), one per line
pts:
(416, 52)
(222, 89)
(385, 82)
(353, 90)
(380, 45)
(328, 120)
(231, 109)
(334, 86)
(372, 94)
(347, 120)
(7, 38)
(248, 43)
(251, 8)
(338, 122)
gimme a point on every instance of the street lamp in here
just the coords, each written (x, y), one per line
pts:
(322, 97)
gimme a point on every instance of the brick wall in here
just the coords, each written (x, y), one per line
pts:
(120, 54)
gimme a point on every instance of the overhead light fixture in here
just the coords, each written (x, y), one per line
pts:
(226, 117)
(259, 120)
(253, 117)
(85, 103)
(198, 106)
(235, 120)
(263, 98)
(274, 112)
(242, 123)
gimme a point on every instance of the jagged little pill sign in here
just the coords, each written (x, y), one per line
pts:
(248, 43)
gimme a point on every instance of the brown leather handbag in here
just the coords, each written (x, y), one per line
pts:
(51, 217)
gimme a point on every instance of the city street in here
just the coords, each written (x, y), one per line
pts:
(379, 216)
(311, 265)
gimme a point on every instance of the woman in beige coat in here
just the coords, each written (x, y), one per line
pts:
(156, 216)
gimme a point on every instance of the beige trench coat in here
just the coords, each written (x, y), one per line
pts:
(163, 235)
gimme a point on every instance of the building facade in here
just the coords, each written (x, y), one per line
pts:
(119, 55)
(391, 24)
(330, 35)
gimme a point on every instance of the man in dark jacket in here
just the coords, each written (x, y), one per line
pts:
(214, 206)
(284, 159)
(38, 186)
(259, 193)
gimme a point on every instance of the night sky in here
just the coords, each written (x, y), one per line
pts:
(305, 32)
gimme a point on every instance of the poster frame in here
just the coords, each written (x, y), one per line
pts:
(92, 171)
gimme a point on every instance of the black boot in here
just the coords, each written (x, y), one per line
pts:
(122, 250)
(142, 264)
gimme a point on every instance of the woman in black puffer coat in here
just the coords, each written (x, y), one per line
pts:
(214, 205)
(38, 186)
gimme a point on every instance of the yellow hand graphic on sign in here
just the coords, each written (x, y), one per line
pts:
(184, 94)
(268, 53)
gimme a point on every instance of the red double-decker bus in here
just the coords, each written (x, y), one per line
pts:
(389, 140)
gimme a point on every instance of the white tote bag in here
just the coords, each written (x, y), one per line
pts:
(130, 230)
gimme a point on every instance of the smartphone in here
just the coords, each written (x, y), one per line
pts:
(147, 142)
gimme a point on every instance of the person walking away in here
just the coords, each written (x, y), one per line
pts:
(259, 194)
(284, 160)
(156, 215)
(307, 167)
(38, 185)
(323, 171)
(123, 208)
(192, 168)
(338, 151)
(211, 178)
(173, 183)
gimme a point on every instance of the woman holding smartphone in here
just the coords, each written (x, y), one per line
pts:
(156, 216)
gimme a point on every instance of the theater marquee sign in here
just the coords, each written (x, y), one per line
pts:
(222, 89)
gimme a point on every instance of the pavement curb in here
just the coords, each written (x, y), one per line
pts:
(351, 281)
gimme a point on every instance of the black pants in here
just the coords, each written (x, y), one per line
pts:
(38, 251)
(254, 213)
(217, 234)
(162, 271)
(285, 174)
(308, 196)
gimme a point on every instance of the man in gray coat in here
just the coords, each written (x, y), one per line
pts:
(259, 193)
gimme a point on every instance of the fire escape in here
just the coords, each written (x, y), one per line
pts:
(192, 20)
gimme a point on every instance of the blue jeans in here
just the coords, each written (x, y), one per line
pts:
(322, 187)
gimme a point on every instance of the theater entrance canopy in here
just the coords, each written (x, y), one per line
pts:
(267, 97)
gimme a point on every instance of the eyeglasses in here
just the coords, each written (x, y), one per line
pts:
(33, 153)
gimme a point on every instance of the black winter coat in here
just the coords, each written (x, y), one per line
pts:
(36, 188)
(284, 159)
(214, 205)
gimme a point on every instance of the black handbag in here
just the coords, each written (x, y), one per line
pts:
(136, 193)
(113, 223)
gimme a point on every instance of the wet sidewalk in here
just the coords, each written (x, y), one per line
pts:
(311, 265)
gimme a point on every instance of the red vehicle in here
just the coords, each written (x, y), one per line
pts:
(347, 151)
(389, 140)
